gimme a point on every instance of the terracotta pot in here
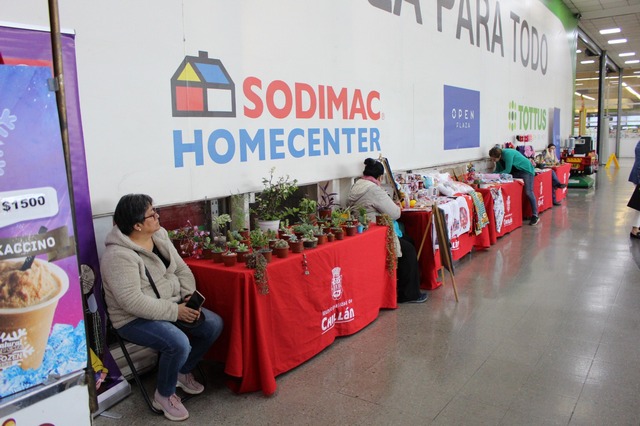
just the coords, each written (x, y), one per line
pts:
(272, 244)
(330, 238)
(338, 232)
(322, 238)
(296, 246)
(325, 213)
(281, 252)
(244, 233)
(267, 254)
(217, 257)
(242, 255)
(230, 259)
(350, 230)
(309, 243)
(207, 254)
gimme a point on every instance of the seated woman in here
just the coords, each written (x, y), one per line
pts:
(366, 192)
(146, 286)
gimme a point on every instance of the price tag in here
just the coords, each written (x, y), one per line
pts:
(27, 204)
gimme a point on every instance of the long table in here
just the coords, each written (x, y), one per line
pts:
(542, 187)
(563, 171)
(268, 334)
(512, 193)
(415, 224)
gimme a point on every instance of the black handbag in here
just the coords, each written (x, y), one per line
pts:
(182, 325)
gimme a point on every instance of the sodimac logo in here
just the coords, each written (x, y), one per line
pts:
(202, 87)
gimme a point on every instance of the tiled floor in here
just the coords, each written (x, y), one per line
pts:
(547, 331)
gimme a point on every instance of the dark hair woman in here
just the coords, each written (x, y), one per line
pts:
(366, 192)
(140, 261)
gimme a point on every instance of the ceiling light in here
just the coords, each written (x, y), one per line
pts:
(610, 31)
(578, 51)
(633, 61)
(590, 61)
(622, 55)
(585, 96)
(618, 41)
(637, 95)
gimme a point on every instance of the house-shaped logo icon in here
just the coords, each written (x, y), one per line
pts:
(202, 87)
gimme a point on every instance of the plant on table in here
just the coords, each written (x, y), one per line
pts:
(327, 200)
(307, 210)
(269, 202)
(258, 239)
(390, 243)
(258, 262)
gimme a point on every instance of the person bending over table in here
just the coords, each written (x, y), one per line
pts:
(366, 192)
(511, 161)
(146, 286)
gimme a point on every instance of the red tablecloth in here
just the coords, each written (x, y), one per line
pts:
(415, 223)
(563, 171)
(542, 188)
(266, 335)
(512, 193)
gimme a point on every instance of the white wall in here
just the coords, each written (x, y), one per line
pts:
(127, 52)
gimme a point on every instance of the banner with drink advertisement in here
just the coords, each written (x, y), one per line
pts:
(42, 332)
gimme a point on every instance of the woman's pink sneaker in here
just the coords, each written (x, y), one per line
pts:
(171, 406)
(189, 384)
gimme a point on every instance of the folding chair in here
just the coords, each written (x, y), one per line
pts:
(134, 371)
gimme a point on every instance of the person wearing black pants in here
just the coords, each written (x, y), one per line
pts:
(366, 192)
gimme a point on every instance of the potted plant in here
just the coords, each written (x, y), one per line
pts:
(242, 251)
(218, 228)
(363, 220)
(309, 240)
(295, 244)
(216, 253)
(319, 235)
(330, 236)
(300, 229)
(327, 201)
(229, 258)
(307, 210)
(258, 239)
(207, 247)
(233, 245)
(187, 239)
(269, 203)
(281, 248)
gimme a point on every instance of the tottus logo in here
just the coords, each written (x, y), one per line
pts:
(202, 87)
(526, 118)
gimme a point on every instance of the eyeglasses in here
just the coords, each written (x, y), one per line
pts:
(154, 214)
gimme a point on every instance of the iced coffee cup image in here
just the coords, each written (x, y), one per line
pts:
(29, 296)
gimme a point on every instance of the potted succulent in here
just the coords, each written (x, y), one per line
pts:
(229, 258)
(233, 245)
(281, 248)
(330, 236)
(216, 253)
(242, 250)
(269, 203)
(327, 201)
(300, 229)
(309, 240)
(320, 235)
(295, 244)
(207, 247)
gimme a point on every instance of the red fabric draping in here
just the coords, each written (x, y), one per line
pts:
(512, 193)
(415, 223)
(266, 335)
(542, 191)
(563, 171)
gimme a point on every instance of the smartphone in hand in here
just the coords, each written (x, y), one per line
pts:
(195, 301)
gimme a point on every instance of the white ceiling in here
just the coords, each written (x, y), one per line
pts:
(596, 15)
